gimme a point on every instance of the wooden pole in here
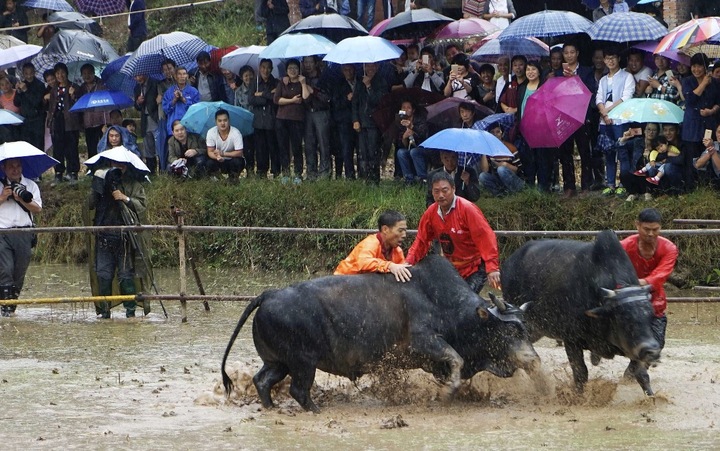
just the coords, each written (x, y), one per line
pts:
(180, 218)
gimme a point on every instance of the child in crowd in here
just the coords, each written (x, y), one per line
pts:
(620, 7)
(131, 126)
(663, 150)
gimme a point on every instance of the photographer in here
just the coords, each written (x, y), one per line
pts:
(118, 198)
(19, 200)
(412, 125)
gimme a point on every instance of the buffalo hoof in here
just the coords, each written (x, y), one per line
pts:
(595, 359)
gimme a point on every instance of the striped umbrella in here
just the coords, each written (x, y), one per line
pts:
(178, 46)
(545, 24)
(695, 31)
(627, 27)
(52, 5)
(100, 7)
(493, 48)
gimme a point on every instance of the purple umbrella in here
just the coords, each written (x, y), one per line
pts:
(555, 111)
(100, 7)
(672, 55)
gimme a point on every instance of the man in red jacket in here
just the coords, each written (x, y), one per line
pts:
(654, 259)
(464, 234)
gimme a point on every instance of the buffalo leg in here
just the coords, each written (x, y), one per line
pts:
(302, 380)
(638, 370)
(439, 351)
(577, 364)
(265, 380)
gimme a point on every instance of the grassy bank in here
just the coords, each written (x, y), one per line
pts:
(341, 204)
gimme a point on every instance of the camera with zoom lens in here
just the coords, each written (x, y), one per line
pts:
(20, 190)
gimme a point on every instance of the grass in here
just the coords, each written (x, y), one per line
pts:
(345, 204)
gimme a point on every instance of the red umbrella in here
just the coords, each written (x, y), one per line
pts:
(555, 111)
(445, 114)
(217, 54)
(464, 28)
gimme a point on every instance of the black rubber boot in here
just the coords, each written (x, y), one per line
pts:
(102, 309)
(128, 287)
(7, 292)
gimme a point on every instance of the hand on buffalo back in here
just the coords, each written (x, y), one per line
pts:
(494, 279)
(401, 271)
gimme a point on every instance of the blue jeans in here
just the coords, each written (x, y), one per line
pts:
(413, 162)
(504, 181)
(614, 132)
(364, 6)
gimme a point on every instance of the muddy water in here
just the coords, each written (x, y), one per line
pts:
(69, 381)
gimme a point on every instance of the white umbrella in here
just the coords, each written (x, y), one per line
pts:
(247, 56)
(7, 41)
(119, 155)
(9, 118)
(9, 57)
(34, 160)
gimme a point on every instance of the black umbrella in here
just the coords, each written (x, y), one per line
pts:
(332, 26)
(75, 21)
(414, 24)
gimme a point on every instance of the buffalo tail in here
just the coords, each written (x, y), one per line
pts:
(227, 382)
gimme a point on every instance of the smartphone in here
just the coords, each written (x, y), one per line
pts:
(426, 59)
(669, 74)
(454, 68)
(708, 134)
(636, 131)
(566, 67)
(402, 113)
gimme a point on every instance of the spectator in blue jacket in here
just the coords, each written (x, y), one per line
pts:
(136, 24)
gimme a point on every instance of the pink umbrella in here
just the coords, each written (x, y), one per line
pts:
(380, 27)
(464, 28)
(555, 111)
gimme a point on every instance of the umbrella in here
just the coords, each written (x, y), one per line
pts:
(467, 140)
(504, 120)
(200, 117)
(414, 24)
(34, 160)
(389, 104)
(592, 4)
(116, 80)
(380, 27)
(119, 155)
(7, 117)
(711, 48)
(332, 26)
(463, 29)
(297, 45)
(53, 5)
(648, 110)
(75, 46)
(247, 56)
(178, 46)
(495, 48)
(100, 7)
(11, 56)
(627, 27)
(555, 111)
(102, 101)
(75, 21)
(7, 41)
(445, 114)
(545, 24)
(695, 31)
(672, 55)
(363, 49)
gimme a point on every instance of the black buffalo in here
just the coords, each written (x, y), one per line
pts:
(588, 295)
(344, 325)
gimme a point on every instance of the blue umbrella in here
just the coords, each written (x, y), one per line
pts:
(200, 117)
(467, 141)
(495, 48)
(53, 5)
(363, 49)
(546, 24)
(9, 118)
(102, 101)
(627, 27)
(504, 120)
(34, 160)
(297, 45)
(117, 81)
(178, 46)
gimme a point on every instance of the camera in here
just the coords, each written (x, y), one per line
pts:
(402, 114)
(20, 190)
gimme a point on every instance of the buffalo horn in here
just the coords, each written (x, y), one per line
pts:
(608, 293)
(499, 303)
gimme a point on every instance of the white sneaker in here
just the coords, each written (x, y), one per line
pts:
(648, 196)
(631, 198)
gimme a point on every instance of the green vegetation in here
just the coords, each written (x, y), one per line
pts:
(343, 204)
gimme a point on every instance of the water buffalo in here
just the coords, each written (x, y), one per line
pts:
(586, 294)
(344, 325)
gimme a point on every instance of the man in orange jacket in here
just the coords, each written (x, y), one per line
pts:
(380, 252)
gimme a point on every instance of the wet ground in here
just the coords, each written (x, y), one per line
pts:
(68, 381)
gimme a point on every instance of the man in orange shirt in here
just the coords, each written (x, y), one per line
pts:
(380, 252)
